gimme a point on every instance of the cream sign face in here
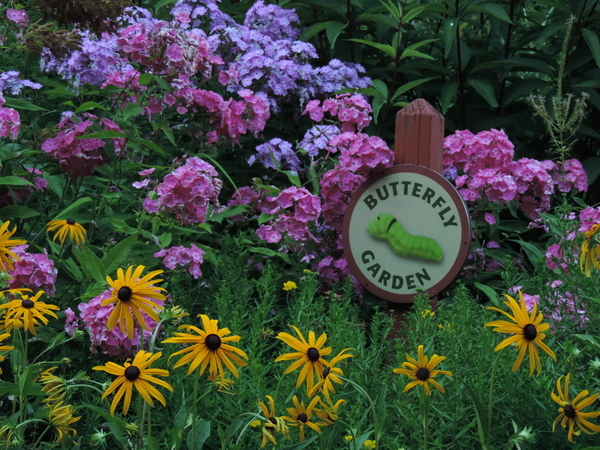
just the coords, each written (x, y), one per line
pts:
(405, 231)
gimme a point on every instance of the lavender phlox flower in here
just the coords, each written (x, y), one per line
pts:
(317, 138)
(181, 256)
(10, 81)
(276, 154)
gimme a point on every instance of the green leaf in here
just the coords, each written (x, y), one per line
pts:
(104, 134)
(71, 207)
(312, 31)
(90, 263)
(14, 181)
(449, 34)
(265, 218)
(591, 37)
(17, 212)
(113, 260)
(408, 86)
(162, 3)
(145, 79)
(132, 109)
(334, 29)
(117, 425)
(491, 9)
(592, 168)
(231, 211)
(387, 49)
(489, 292)
(90, 105)
(480, 413)
(150, 145)
(486, 90)
(448, 92)
(202, 434)
(19, 103)
(268, 252)
(591, 341)
(414, 12)
(168, 132)
(393, 9)
(408, 53)
(533, 252)
(381, 88)
(301, 445)
(293, 177)
(378, 18)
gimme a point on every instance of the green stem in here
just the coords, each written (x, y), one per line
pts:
(426, 402)
(371, 404)
(488, 436)
(195, 408)
(254, 415)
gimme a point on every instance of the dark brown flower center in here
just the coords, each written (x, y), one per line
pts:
(213, 342)
(302, 417)
(27, 304)
(313, 354)
(272, 420)
(132, 373)
(529, 332)
(71, 222)
(326, 372)
(423, 373)
(124, 294)
(569, 411)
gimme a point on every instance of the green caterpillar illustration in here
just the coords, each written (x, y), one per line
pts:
(384, 226)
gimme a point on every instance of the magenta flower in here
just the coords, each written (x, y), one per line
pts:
(34, 270)
(17, 16)
(189, 258)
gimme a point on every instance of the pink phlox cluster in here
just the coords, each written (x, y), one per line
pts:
(361, 153)
(10, 120)
(535, 185)
(556, 258)
(469, 152)
(247, 195)
(574, 176)
(18, 16)
(39, 183)
(124, 79)
(187, 192)
(94, 319)
(231, 118)
(144, 183)
(352, 110)
(118, 143)
(166, 50)
(565, 306)
(35, 271)
(337, 186)
(77, 157)
(295, 209)
(190, 258)
(332, 270)
(588, 217)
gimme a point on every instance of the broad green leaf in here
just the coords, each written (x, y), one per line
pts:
(162, 3)
(71, 207)
(12, 212)
(561, 5)
(301, 445)
(378, 18)
(202, 434)
(269, 252)
(293, 177)
(408, 53)
(592, 341)
(549, 31)
(387, 49)
(333, 30)
(11, 180)
(408, 86)
(90, 263)
(113, 260)
(591, 37)
(533, 252)
(19, 103)
(489, 292)
(90, 105)
(168, 132)
(104, 134)
(522, 88)
(592, 168)
(312, 31)
(480, 413)
(410, 15)
(448, 92)
(449, 34)
(491, 9)
(486, 90)
(150, 145)
(231, 211)
(420, 44)
(265, 218)
(393, 9)
(381, 88)
(145, 79)
(132, 109)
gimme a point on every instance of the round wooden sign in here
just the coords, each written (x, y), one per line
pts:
(406, 230)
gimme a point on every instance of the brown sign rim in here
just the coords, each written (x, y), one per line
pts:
(463, 213)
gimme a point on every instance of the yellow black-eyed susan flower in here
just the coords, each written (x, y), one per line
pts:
(329, 375)
(273, 424)
(309, 356)
(61, 417)
(329, 413)
(570, 411)
(133, 295)
(54, 386)
(136, 374)
(7, 257)
(527, 332)
(4, 348)
(67, 230)
(301, 416)
(590, 251)
(209, 348)
(422, 371)
(27, 312)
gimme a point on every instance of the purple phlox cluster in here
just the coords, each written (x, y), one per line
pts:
(231, 118)
(556, 258)
(317, 138)
(10, 120)
(337, 186)
(559, 305)
(136, 14)
(77, 157)
(39, 183)
(247, 195)
(272, 21)
(482, 166)
(352, 110)
(199, 12)
(34, 270)
(18, 16)
(276, 154)
(97, 58)
(361, 153)
(190, 258)
(94, 319)
(11, 82)
(332, 270)
(338, 75)
(588, 217)
(166, 50)
(295, 208)
(187, 192)
(574, 176)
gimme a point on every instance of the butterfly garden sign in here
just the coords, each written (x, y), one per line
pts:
(406, 230)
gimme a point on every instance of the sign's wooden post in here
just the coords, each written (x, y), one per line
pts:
(419, 140)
